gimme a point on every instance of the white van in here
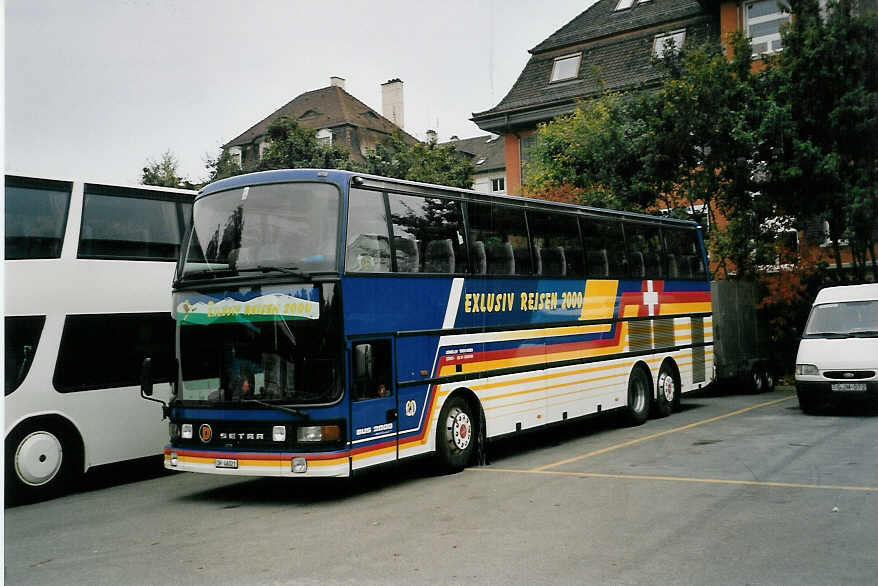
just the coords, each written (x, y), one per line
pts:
(838, 354)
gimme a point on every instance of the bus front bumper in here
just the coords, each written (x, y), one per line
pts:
(333, 464)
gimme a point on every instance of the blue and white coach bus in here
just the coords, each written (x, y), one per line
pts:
(87, 273)
(329, 321)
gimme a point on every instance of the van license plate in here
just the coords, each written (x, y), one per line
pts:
(849, 387)
(226, 463)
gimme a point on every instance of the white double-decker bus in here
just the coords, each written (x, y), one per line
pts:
(87, 276)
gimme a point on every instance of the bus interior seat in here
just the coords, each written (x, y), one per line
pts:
(480, 262)
(500, 259)
(598, 264)
(553, 262)
(523, 262)
(635, 267)
(439, 257)
(407, 259)
(653, 264)
(673, 269)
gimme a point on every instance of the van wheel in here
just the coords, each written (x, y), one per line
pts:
(668, 393)
(455, 435)
(42, 461)
(639, 397)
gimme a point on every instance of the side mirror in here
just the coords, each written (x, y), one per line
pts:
(146, 378)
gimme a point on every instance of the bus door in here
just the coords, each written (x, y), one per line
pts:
(374, 407)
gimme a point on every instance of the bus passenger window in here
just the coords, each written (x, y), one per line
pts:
(427, 235)
(646, 258)
(372, 370)
(604, 247)
(557, 247)
(22, 335)
(368, 245)
(36, 217)
(503, 232)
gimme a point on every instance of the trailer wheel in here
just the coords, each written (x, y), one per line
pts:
(757, 380)
(668, 393)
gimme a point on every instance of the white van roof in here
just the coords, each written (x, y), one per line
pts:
(868, 292)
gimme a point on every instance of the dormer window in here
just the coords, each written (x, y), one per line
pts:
(566, 67)
(324, 137)
(661, 41)
(626, 4)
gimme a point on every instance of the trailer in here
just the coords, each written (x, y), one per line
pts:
(740, 341)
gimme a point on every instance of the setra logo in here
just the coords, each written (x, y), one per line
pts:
(205, 433)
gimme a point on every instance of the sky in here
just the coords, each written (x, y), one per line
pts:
(95, 89)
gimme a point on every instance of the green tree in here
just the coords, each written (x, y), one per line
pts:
(588, 157)
(426, 162)
(164, 172)
(292, 146)
(823, 136)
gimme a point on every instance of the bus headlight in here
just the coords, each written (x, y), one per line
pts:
(318, 433)
(187, 430)
(279, 433)
(172, 458)
(807, 370)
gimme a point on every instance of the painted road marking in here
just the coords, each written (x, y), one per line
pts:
(657, 435)
(680, 479)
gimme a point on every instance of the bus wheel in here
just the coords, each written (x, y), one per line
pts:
(639, 397)
(41, 461)
(767, 380)
(757, 381)
(455, 435)
(668, 395)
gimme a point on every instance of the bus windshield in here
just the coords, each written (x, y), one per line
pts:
(288, 227)
(275, 346)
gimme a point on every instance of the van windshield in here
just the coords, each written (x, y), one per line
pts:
(843, 320)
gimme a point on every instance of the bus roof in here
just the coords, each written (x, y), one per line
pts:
(414, 187)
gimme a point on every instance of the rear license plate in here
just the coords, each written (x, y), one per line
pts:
(226, 463)
(849, 387)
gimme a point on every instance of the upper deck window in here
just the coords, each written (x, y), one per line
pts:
(122, 224)
(280, 226)
(36, 217)
(566, 67)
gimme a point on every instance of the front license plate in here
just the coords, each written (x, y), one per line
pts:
(226, 463)
(849, 387)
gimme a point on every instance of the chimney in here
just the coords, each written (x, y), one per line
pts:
(336, 81)
(432, 135)
(391, 102)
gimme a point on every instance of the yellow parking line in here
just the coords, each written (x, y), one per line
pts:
(656, 435)
(682, 479)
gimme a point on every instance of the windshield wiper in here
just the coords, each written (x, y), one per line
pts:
(289, 410)
(864, 334)
(831, 335)
(277, 269)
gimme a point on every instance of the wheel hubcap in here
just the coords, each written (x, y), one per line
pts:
(666, 384)
(639, 396)
(38, 458)
(461, 429)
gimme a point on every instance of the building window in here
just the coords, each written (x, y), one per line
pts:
(525, 148)
(324, 137)
(566, 67)
(263, 146)
(661, 41)
(763, 20)
(625, 4)
(235, 154)
(498, 184)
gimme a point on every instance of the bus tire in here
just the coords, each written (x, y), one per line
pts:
(639, 397)
(768, 381)
(667, 397)
(43, 459)
(455, 435)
